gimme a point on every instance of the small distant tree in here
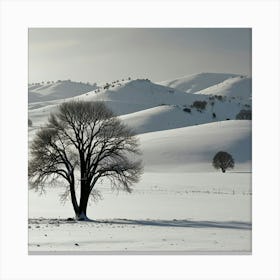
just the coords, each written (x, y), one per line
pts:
(29, 123)
(82, 144)
(223, 160)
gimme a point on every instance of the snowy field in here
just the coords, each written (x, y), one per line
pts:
(181, 204)
(186, 212)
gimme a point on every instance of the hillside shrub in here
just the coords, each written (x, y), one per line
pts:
(199, 105)
(219, 97)
(187, 110)
(244, 115)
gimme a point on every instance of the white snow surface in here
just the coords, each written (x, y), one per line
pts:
(166, 212)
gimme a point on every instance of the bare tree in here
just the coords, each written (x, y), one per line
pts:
(223, 160)
(82, 143)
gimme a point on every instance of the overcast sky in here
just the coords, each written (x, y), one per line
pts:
(103, 55)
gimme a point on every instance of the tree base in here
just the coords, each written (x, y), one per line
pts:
(82, 217)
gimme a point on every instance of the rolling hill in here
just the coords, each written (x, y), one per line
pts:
(156, 112)
(149, 107)
(191, 149)
(237, 87)
(57, 90)
(196, 82)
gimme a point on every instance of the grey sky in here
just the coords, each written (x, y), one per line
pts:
(101, 55)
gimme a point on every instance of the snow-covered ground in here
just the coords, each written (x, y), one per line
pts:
(181, 204)
(190, 212)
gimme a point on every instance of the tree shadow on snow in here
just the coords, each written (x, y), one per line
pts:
(148, 222)
(180, 223)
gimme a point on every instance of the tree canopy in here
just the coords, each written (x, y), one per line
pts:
(82, 143)
(223, 160)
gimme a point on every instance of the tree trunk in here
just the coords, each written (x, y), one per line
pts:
(82, 211)
(223, 170)
(74, 199)
(84, 195)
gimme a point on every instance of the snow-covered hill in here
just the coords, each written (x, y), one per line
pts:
(237, 87)
(139, 94)
(57, 90)
(197, 82)
(147, 107)
(174, 116)
(134, 96)
(191, 149)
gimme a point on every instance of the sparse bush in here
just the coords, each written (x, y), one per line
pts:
(199, 105)
(223, 160)
(188, 110)
(219, 97)
(106, 86)
(244, 115)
